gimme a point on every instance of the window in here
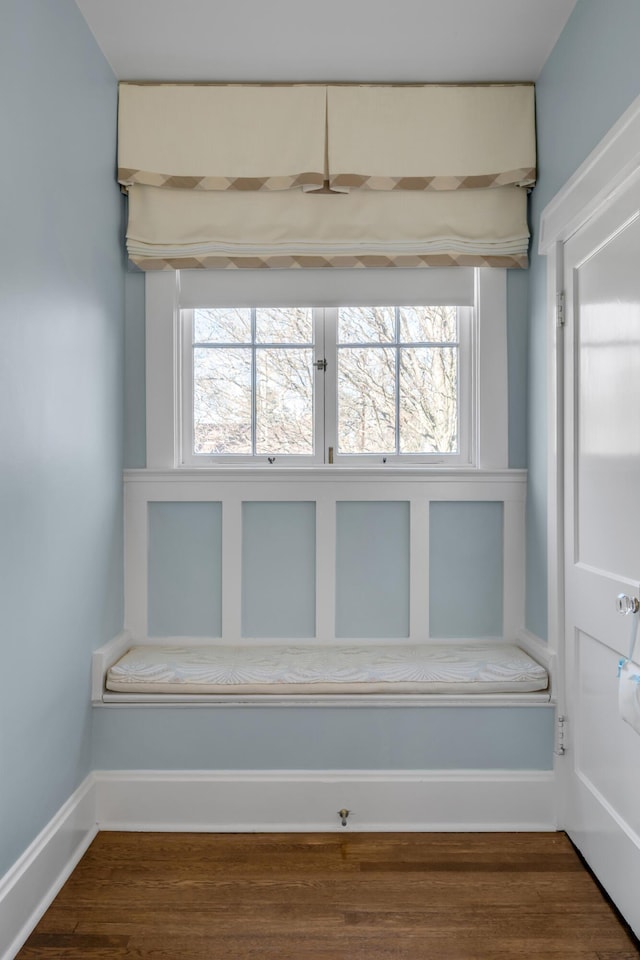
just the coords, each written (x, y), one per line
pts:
(397, 381)
(349, 384)
(273, 381)
(249, 383)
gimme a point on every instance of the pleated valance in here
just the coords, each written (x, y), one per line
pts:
(431, 137)
(232, 176)
(235, 137)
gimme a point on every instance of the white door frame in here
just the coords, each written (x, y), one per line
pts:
(594, 185)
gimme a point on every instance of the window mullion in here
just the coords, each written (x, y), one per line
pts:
(330, 328)
(319, 386)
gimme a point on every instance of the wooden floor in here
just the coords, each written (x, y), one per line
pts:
(330, 897)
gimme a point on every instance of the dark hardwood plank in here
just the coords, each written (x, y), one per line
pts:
(90, 941)
(330, 897)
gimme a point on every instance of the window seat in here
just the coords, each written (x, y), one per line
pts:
(360, 669)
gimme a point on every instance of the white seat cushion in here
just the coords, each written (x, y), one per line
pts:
(364, 668)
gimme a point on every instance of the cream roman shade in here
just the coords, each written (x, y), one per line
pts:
(227, 177)
(182, 229)
(231, 137)
(431, 137)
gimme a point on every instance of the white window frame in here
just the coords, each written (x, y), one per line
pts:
(485, 404)
(186, 457)
(464, 457)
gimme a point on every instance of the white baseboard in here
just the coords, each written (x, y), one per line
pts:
(283, 801)
(252, 801)
(28, 888)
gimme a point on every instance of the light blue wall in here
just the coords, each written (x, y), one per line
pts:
(278, 569)
(61, 319)
(185, 569)
(436, 738)
(465, 569)
(135, 421)
(591, 77)
(372, 569)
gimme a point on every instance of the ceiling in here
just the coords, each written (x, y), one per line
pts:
(336, 40)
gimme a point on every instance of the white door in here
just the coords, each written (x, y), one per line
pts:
(601, 770)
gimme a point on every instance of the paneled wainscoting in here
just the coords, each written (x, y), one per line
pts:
(324, 554)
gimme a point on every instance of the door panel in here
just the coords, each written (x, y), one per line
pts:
(601, 778)
(608, 765)
(608, 351)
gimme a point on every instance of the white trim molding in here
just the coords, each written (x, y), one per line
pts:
(543, 653)
(253, 801)
(342, 701)
(105, 657)
(30, 885)
(538, 648)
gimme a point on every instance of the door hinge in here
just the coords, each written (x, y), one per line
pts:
(320, 365)
(561, 747)
(560, 308)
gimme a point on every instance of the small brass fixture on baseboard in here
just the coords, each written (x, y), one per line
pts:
(343, 814)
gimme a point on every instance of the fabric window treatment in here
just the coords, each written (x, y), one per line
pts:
(181, 229)
(231, 176)
(431, 138)
(235, 137)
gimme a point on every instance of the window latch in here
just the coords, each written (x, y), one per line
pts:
(320, 365)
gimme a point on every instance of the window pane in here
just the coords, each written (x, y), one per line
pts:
(424, 324)
(429, 400)
(284, 401)
(284, 325)
(366, 400)
(221, 401)
(366, 324)
(223, 325)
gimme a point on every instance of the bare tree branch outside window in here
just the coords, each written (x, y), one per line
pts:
(420, 378)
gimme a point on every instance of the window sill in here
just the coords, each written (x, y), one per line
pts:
(365, 700)
(326, 473)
